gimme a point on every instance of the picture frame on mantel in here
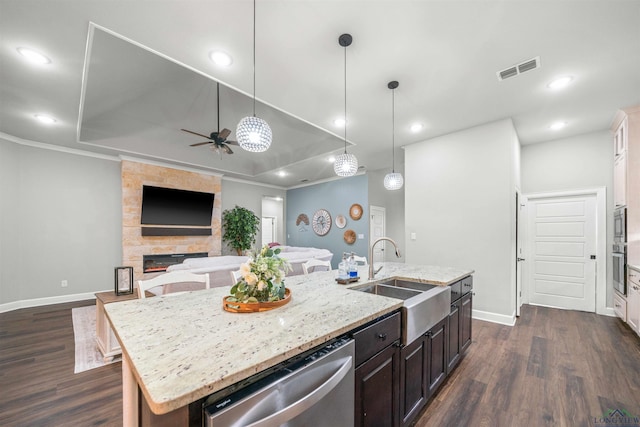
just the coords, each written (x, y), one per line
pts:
(123, 280)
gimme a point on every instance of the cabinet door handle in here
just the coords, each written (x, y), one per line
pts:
(428, 334)
(382, 337)
(618, 305)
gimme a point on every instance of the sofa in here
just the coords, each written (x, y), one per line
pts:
(219, 268)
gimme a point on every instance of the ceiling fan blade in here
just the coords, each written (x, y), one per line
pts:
(195, 133)
(224, 133)
(201, 143)
(232, 143)
(227, 149)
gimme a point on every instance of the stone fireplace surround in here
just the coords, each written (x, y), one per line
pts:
(134, 246)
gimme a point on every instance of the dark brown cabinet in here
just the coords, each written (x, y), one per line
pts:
(377, 375)
(459, 321)
(426, 362)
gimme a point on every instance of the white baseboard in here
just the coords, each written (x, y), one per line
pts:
(37, 302)
(494, 317)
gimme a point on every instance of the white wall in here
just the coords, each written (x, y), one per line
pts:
(61, 221)
(248, 196)
(460, 202)
(581, 162)
(393, 202)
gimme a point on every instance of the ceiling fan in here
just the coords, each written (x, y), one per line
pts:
(219, 138)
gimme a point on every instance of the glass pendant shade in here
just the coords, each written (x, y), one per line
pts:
(345, 165)
(393, 181)
(254, 134)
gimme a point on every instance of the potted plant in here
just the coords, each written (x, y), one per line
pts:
(240, 226)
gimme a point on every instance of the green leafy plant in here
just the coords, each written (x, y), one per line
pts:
(240, 226)
(262, 278)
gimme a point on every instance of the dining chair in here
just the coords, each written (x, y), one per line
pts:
(172, 278)
(310, 266)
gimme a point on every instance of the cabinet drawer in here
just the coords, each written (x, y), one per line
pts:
(620, 306)
(456, 290)
(467, 285)
(376, 337)
(633, 276)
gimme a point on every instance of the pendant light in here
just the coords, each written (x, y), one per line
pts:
(253, 133)
(393, 180)
(346, 164)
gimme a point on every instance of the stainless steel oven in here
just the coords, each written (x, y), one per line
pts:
(620, 225)
(620, 268)
(316, 389)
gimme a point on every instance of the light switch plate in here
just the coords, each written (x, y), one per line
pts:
(360, 236)
(413, 236)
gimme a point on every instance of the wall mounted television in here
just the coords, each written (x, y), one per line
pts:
(173, 212)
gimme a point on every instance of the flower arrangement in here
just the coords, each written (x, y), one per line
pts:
(262, 278)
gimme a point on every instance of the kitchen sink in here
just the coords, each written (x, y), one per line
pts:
(389, 291)
(423, 306)
(408, 284)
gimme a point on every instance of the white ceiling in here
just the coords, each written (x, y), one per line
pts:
(147, 74)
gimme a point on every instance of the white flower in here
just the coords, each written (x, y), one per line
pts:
(261, 285)
(251, 279)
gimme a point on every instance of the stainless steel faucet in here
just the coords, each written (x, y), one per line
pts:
(372, 272)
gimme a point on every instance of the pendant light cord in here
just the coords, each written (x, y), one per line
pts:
(345, 100)
(254, 58)
(393, 130)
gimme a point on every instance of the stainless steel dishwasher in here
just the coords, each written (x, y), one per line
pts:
(316, 389)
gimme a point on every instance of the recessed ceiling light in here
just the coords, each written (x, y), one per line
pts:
(417, 127)
(331, 159)
(43, 118)
(557, 125)
(282, 173)
(340, 122)
(560, 83)
(33, 56)
(220, 58)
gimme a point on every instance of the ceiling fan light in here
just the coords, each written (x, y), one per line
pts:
(33, 56)
(345, 165)
(254, 134)
(393, 181)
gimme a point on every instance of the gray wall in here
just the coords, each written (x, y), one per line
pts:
(336, 197)
(393, 202)
(460, 202)
(576, 163)
(248, 196)
(61, 221)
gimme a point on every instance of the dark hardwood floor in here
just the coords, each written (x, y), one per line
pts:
(555, 367)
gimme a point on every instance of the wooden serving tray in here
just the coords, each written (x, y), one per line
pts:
(347, 281)
(256, 307)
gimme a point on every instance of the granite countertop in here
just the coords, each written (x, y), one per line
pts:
(634, 267)
(184, 347)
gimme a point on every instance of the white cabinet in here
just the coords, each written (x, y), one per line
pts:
(620, 138)
(620, 306)
(620, 180)
(633, 300)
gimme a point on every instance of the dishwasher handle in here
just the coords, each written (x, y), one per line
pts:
(307, 401)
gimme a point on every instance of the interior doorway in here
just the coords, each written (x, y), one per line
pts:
(272, 220)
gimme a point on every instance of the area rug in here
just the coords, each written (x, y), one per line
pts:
(88, 355)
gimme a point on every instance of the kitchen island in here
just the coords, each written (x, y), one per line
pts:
(180, 348)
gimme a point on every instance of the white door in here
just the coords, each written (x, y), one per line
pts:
(562, 240)
(376, 230)
(268, 228)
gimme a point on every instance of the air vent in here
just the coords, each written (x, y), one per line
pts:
(515, 70)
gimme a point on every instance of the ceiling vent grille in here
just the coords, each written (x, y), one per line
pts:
(520, 68)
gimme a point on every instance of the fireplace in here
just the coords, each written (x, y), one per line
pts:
(160, 262)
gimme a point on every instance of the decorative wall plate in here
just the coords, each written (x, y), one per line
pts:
(302, 218)
(341, 221)
(355, 212)
(350, 237)
(321, 222)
